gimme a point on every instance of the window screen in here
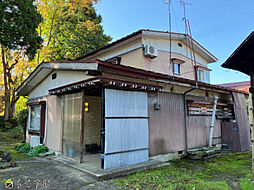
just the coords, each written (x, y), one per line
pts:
(35, 117)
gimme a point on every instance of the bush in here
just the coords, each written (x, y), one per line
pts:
(37, 150)
(24, 147)
(7, 125)
(21, 118)
(17, 132)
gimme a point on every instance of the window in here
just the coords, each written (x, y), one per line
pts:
(35, 118)
(177, 68)
(201, 75)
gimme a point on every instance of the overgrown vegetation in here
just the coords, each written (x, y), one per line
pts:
(10, 137)
(37, 150)
(231, 171)
(23, 148)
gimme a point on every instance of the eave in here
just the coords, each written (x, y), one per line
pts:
(45, 68)
(242, 58)
(106, 82)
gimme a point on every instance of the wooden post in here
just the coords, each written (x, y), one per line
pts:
(82, 125)
(251, 106)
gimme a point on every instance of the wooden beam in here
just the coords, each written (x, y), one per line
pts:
(82, 125)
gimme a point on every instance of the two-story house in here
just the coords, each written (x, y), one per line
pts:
(149, 50)
(127, 102)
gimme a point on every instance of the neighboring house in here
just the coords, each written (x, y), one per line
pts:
(126, 106)
(244, 86)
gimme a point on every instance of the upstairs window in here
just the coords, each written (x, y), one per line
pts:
(201, 75)
(176, 65)
(177, 68)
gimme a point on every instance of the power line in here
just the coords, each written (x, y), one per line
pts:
(220, 26)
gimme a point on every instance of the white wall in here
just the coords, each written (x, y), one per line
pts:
(163, 45)
(63, 78)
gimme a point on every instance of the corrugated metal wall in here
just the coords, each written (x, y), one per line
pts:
(198, 128)
(166, 126)
(126, 128)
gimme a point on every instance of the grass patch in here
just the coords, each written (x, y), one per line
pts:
(16, 156)
(231, 171)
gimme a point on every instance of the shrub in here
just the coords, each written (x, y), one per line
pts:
(17, 132)
(24, 147)
(7, 125)
(21, 119)
(37, 150)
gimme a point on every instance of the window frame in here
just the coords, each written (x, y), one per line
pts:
(41, 131)
(178, 68)
(30, 117)
(203, 75)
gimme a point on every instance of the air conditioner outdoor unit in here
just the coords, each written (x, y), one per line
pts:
(34, 140)
(151, 51)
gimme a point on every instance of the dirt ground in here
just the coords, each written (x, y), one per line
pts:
(46, 174)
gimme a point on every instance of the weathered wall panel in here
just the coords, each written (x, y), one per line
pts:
(166, 126)
(242, 120)
(198, 130)
(230, 135)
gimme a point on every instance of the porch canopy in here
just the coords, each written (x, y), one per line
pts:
(243, 57)
(106, 82)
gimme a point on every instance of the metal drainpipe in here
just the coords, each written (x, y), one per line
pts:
(185, 116)
(212, 123)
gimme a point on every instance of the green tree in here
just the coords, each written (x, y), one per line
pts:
(70, 29)
(19, 41)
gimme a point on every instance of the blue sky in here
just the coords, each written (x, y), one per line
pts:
(219, 25)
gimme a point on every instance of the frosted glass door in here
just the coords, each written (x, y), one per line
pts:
(71, 125)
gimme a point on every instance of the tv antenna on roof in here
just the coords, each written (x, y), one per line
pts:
(189, 39)
(169, 34)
